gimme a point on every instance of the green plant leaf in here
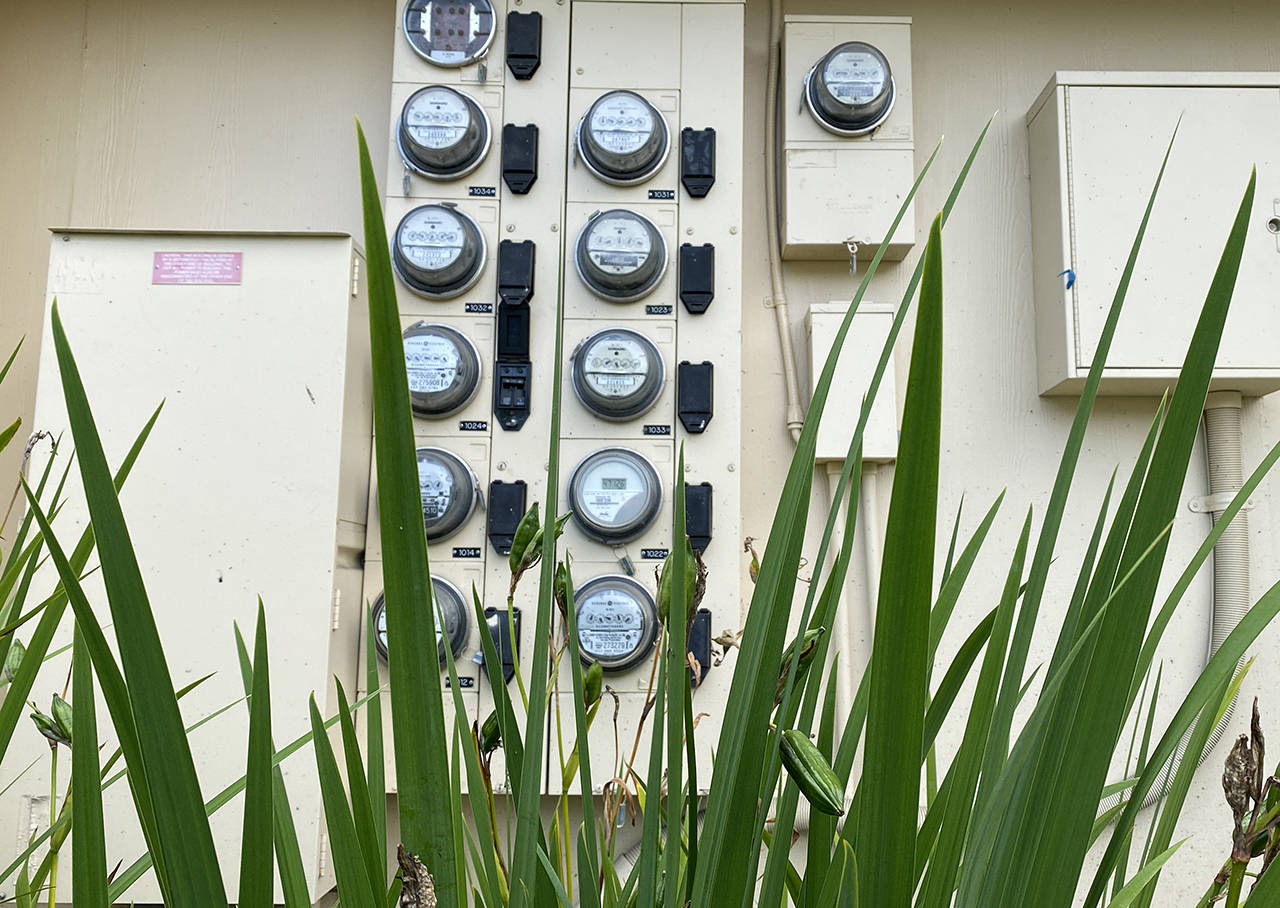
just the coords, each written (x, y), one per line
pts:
(89, 858)
(7, 433)
(377, 771)
(361, 805)
(256, 840)
(354, 886)
(1126, 896)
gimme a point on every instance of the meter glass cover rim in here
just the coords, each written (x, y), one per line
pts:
(576, 380)
(648, 287)
(826, 124)
(649, 610)
(467, 61)
(446, 454)
(454, 334)
(379, 607)
(599, 532)
(453, 290)
(467, 166)
(612, 177)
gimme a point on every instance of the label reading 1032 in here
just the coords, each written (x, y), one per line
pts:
(467, 552)
(657, 430)
(488, 191)
(654, 554)
(479, 307)
(473, 425)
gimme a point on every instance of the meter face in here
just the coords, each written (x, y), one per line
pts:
(850, 90)
(614, 494)
(449, 33)
(621, 255)
(617, 622)
(448, 489)
(855, 76)
(443, 133)
(443, 367)
(452, 623)
(617, 373)
(439, 251)
(622, 138)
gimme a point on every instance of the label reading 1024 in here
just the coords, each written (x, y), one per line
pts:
(473, 425)
(657, 430)
(654, 554)
(468, 552)
(488, 191)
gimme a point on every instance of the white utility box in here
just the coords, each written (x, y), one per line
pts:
(1096, 141)
(858, 357)
(254, 482)
(844, 175)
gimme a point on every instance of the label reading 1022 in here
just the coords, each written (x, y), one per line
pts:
(657, 430)
(487, 191)
(657, 310)
(473, 425)
(665, 194)
(654, 554)
(479, 307)
(467, 552)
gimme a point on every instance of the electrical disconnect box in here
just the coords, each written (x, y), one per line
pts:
(252, 483)
(605, 156)
(1096, 141)
(858, 358)
(847, 144)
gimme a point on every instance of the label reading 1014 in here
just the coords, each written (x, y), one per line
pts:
(479, 307)
(467, 552)
(664, 194)
(654, 554)
(657, 310)
(657, 430)
(473, 425)
(488, 191)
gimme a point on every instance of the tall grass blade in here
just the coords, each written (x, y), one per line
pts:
(589, 858)
(355, 890)
(677, 686)
(1129, 894)
(417, 700)
(257, 839)
(377, 772)
(7, 433)
(89, 857)
(361, 806)
(647, 887)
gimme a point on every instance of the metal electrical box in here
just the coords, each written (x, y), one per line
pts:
(1096, 141)
(254, 481)
(858, 358)
(841, 190)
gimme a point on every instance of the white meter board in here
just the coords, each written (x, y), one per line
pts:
(438, 251)
(443, 133)
(617, 621)
(452, 621)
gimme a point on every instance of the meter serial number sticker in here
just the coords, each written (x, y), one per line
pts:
(654, 554)
(657, 310)
(485, 191)
(436, 488)
(605, 502)
(657, 430)
(432, 364)
(473, 425)
(479, 307)
(663, 194)
(466, 552)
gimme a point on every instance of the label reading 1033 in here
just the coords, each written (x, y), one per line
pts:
(654, 554)
(479, 307)
(473, 425)
(488, 191)
(657, 310)
(664, 194)
(467, 552)
(657, 430)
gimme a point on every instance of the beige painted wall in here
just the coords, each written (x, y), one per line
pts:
(146, 114)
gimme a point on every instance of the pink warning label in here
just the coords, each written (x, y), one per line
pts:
(197, 267)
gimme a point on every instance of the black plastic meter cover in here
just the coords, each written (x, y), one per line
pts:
(524, 44)
(520, 156)
(697, 160)
(697, 276)
(695, 394)
(506, 507)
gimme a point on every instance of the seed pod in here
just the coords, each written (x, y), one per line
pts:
(665, 579)
(593, 683)
(14, 659)
(560, 587)
(61, 711)
(811, 773)
(525, 529)
(808, 648)
(49, 728)
(490, 734)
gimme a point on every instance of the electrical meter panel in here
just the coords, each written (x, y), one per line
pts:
(597, 147)
(847, 145)
(1096, 141)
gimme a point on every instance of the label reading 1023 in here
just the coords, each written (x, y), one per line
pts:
(657, 310)
(664, 194)
(479, 307)
(487, 191)
(467, 552)
(657, 430)
(654, 554)
(473, 425)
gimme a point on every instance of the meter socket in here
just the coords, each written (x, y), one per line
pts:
(617, 373)
(449, 33)
(444, 369)
(850, 90)
(449, 490)
(438, 251)
(443, 133)
(622, 138)
(452, 623)
(620, 255)
(614, 494)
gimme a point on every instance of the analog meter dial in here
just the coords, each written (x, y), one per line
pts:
(452, 623)
(617, 373)
(449, 33)
(622, 138)
(617, 621)
(620, 255)
(850, 90)
(614, 494)
(444, 369)
(443, 133)
(449, 492)
(439, 251)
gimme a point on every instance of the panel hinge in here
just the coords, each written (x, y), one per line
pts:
(355, 277)
(337, 607)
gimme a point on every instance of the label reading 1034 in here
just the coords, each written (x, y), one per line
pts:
(657, 430)
(473, 425)
(467, 552)
(482, 191)
(479, 307)
(654, 554)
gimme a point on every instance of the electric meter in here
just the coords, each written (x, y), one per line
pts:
(850, 90)
(449, 492)
(444, 369)
(617, 373)
(449, 33)
(620, 255)
(452, 622)
(443, 133)
(438, 251)
(617, 621)
(622, 138)
(614, 494)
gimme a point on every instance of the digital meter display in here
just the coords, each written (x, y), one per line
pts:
(452, 622)
(614, 494)
(449, 33)
(443, 133)
(617, 622)
(620, 255)
(449, 492)
(622, 138)
(438, 252)
(617, 373)
(850, 91)
(444, 369)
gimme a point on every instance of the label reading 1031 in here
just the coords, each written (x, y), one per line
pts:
(654, 554)
(468, 552)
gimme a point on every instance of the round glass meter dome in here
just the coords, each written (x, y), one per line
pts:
(444, 369)
(449, 490)
(622, 138)
(438, 251)
(615, 494)
(617, 622)
(850, 91)
(443, 133)
(452, 621)
(620, 255)
(617, 373)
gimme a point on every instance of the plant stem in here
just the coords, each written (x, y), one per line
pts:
(1235, 884)
(53, 810)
